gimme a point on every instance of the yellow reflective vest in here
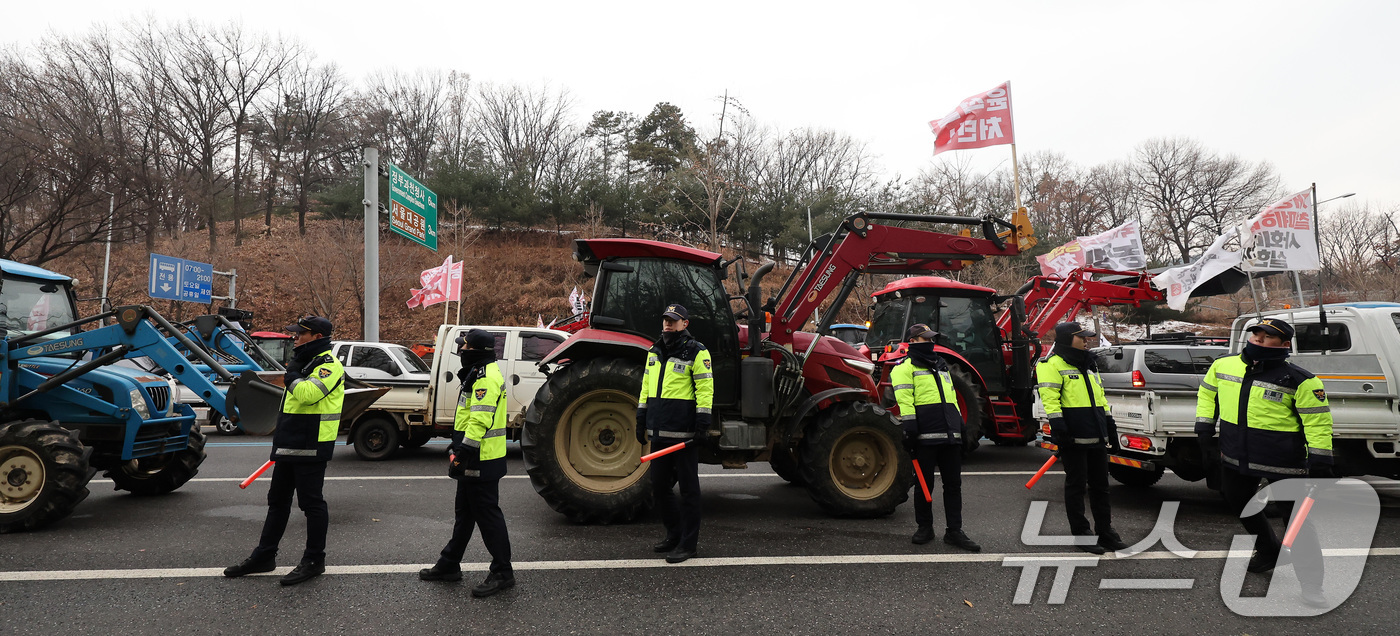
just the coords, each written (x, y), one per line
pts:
(310, 418)
(678, 390)
(1274, 417)
(928, 404)
(1073, 400)
(481, 423)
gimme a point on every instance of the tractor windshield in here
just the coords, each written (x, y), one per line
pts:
(28, 305)
(967, 325)
(632, 293)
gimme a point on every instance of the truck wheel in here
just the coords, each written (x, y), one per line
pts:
(1135, 477)
(376, 439)
(854, 461)
(785, 463)
(580, 445)
(44, 473)
(160, 474)
(224, 426)
(972, 400)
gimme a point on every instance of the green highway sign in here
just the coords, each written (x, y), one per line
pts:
(412, 209)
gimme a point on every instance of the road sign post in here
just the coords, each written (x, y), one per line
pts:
(412, 209)
(174, 278)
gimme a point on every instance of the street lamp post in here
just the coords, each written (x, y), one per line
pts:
(107, 260)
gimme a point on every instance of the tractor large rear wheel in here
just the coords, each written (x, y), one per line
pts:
(854, 462)
(972, 400)
(160, 474)
(579, 442)
(44, 474)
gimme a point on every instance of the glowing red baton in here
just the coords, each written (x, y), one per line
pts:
(1041, 473)
(665, 451)
(1298, 519)
(256, 473)
(922, 484)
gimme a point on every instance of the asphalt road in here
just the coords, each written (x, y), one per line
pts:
(770, 562)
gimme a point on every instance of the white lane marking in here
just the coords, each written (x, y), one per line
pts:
(702, 476)
(634, 564)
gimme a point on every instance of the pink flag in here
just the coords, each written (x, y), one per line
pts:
(452, 283)
(979, 121)
(539, 321)
(434, 283)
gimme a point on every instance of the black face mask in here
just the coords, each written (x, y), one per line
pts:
(476, 357)
(1260, 353)
(923, 355)
(670, 338)
(1078, 358)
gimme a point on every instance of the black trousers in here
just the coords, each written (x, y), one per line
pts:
(681, 518)
(948, 459)
(1086, 469)
(478, 504)
(1238, 489)
(306, 480)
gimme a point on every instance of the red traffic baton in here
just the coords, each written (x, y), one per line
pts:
(922, 484)
(1041, 473)
(262, 469)
(665, 451)
(1299, 518)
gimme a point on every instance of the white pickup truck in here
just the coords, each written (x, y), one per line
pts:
(1358, 361)
(419, 407)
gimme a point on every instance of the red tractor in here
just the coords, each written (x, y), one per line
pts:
(992, 360)
(806, 404)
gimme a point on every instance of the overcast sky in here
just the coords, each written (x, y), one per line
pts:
(1311, 87)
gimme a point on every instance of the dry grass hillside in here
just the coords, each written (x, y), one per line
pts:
(510, 277)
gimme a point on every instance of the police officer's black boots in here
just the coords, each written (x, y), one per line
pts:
(923, 535)
(1111, 542)
(960, 539)
(250, 566)
(441, 572)
(494, 583)
(304, 571)
(666, 545)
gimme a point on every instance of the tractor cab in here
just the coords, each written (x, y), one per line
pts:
(33, 300)
(637, 279)
(962, 314)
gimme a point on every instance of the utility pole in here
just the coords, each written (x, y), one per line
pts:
(371, 201)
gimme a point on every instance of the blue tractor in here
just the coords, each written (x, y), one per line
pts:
(67, 410)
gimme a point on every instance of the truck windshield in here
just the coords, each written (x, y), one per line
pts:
(27, 306)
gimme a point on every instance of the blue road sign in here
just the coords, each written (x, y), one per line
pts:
(178, 279)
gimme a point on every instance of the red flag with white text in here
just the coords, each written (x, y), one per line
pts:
(979, 121)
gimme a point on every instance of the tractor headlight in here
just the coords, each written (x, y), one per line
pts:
(867, 368)
(138, 403)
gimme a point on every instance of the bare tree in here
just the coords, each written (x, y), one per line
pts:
(404, 114)
(249, 64)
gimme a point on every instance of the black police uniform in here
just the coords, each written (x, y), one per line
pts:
(676, 397)
(302, 445)
(478, 463)
(1081, 427)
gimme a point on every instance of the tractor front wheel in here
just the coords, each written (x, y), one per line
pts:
(160, 474)
(854, 462)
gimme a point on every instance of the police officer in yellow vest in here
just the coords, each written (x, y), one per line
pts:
(478, 463)
(677, 395)
(933, 427)
(301, 447)
(1275, 423)
(1083, 429)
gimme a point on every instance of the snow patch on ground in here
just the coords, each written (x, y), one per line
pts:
(1126, 332)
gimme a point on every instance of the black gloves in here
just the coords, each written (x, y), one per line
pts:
(1319, 470)
(456, 467)
(1059, 432)
(1113, 434)
(641, 428)
(1210, 450)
